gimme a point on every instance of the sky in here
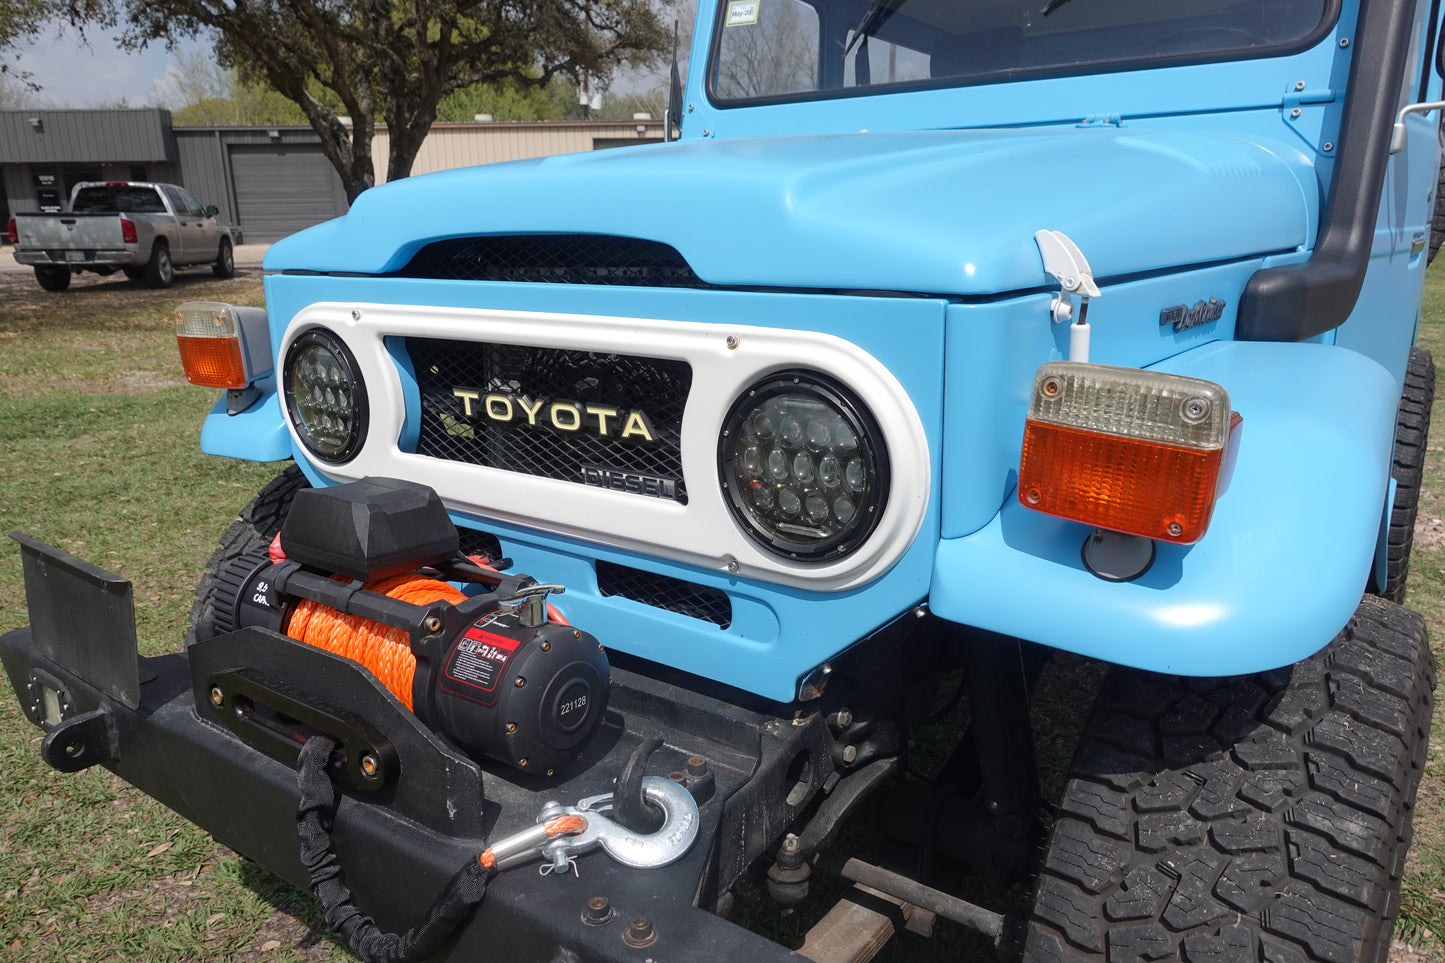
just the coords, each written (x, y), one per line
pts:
(72, 74)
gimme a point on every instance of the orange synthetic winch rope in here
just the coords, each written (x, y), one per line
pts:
(556, 826)
(383, 650)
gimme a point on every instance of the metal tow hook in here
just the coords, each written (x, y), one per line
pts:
(564, 832)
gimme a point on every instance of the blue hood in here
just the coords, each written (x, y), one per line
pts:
(950, 212)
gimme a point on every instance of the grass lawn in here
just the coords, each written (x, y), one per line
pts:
(99, 456)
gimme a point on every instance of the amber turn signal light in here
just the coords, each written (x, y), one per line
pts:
(1129, 450)
(222, 346)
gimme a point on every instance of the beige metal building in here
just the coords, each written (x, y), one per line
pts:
(461, 145)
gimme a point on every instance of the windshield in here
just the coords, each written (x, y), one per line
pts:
(770, 50)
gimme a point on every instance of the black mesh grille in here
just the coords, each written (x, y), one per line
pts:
(484, 544)
(630, 397)
(665, 592)
(554, 259)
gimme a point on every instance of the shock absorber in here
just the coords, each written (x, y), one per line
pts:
(366, 575)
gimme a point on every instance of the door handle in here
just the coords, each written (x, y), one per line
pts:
(1397, 137)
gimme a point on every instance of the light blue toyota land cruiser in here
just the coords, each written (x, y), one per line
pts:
(648, 506)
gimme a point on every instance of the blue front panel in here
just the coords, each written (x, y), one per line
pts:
(778, 633)
(1282, 566)
(994, 349)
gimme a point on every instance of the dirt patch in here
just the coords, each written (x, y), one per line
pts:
(1405, 953)
(111, 301)
(1429, 532)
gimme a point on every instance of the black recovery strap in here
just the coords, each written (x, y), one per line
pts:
(313, 825)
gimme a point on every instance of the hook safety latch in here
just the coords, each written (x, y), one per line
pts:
(564, 832)
(529, 604)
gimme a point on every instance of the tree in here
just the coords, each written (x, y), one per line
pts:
(775, 54)
(19, 20)
(394, 60)
(509, 100)
(200, 92)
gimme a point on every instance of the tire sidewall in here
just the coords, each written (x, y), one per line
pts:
(53, 278)
(253, 530)
(160, 272)
(225, 265)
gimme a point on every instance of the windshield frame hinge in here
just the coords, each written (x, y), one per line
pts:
(1299, 97)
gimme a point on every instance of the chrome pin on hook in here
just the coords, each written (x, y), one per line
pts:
(564, 832)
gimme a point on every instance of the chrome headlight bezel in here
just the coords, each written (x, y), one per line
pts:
(311, 343)
(806, 493)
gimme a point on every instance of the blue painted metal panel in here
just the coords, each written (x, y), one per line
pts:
(1395, 278)
(1268, 585)
(256, 434)
(996, 348)
(952, 212)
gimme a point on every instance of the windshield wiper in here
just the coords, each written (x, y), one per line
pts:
(877, 12)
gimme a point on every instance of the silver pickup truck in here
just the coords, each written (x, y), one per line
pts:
(146, 230)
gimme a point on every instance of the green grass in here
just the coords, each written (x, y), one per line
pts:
(1422, 910)
(99, 456)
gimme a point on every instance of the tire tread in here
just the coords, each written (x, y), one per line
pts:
(1282, 842)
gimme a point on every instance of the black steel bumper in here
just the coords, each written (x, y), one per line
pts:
(399, 843)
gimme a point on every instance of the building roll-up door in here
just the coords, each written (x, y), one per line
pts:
(282, 188)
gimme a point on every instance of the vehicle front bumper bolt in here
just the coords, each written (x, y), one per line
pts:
(850, 753)
(697, 766)
(599, 911)
(640, 932)
(788, 877)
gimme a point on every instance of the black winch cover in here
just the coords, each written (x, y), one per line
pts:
(369, 529)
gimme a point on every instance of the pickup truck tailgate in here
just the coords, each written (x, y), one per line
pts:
(69, 231)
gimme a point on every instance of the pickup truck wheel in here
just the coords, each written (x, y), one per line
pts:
(1412, 425)
(225, 265)
(252, 530)
(159, 271)
(52, 278)
(1248, 818)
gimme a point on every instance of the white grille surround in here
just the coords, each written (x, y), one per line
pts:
(725, 359)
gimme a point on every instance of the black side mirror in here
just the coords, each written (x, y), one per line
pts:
(212, 210)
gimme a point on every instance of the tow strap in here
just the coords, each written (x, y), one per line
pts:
(317, 808)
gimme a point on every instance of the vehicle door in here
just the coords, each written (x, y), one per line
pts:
(196, 242)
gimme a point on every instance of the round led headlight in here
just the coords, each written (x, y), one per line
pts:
(325, 396)
(804, 466)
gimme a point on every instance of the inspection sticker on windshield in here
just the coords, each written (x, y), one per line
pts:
(742, 12)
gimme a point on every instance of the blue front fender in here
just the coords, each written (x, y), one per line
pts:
(256, 434)
(1284, 562)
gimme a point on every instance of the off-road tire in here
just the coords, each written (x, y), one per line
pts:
(225, 263)
(159, 271)
(1412, 426)
(52, 278)
(252, 530)
(1260, 818)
